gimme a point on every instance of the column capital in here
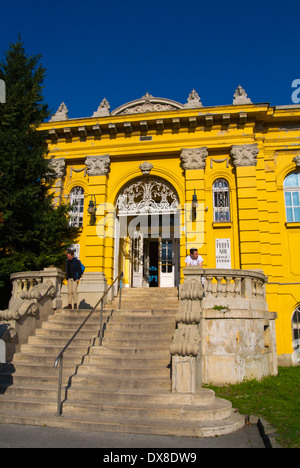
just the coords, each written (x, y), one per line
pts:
(244, 155)
(193, 158)
(59, 167)
(98, 165)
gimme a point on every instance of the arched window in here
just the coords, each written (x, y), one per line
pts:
(76, 199)
(221, 201)
(296, 328)
(292, 197)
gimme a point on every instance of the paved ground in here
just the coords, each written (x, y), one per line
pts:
(15, 436)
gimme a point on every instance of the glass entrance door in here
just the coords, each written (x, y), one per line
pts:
(137, 260)
(168, 262)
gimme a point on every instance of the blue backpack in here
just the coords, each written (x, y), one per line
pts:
(81, 266)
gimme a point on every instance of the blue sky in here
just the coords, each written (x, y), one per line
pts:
(122, 49)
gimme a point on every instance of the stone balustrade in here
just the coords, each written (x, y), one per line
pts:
(249, 284)
(25, 285)
(224, 330)
(35, 295)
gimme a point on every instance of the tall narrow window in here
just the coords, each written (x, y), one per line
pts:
(292, 197)
(77, 204)
(296, 328)
(221, 201)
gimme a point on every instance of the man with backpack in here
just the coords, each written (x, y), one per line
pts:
(74, 271)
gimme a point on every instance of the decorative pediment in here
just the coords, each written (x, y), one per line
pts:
(147, 104)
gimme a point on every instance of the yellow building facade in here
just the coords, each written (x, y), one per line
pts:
(154, 178)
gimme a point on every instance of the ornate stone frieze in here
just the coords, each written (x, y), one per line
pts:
(58, 166)
(240, 97)
(61, 113)
(244, 155)
(146, 167)
(193, 158)
(98, 165)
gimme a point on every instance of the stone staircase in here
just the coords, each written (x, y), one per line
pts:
(122, 386)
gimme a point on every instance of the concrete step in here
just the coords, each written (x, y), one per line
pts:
(83, 422)
(115, 383)
(124, 371)
(12, 404)
(52, 349)
(219, 409)
(122, 386)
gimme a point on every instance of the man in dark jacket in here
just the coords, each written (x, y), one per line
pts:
(73, 275)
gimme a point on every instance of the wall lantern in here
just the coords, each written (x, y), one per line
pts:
(92, 210)
(194, 206)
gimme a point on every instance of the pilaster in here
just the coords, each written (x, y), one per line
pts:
(244, 159)
(97, 171)
(59, 168)
(193, 161)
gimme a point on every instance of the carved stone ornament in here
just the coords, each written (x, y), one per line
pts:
(186, 342)
(97, 165)
(193, 101)
(240, 97)
(61, 113)
(103, 109)
(244, 155)
(193, 158)
(58, 166)
(146, 167)
(296, 160)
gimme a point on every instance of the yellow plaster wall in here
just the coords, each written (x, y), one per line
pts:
(260, 237)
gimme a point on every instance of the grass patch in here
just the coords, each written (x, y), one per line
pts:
(275, 398)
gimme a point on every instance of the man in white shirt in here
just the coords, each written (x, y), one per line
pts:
(194, 258)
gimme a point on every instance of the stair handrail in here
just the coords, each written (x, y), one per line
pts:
(59, 358)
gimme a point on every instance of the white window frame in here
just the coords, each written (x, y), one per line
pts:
(221, 201)
(76, 200)
(292, 192)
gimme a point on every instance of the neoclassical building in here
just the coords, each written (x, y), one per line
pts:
(154, 177)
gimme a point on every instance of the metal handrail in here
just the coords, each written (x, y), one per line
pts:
(59, 358)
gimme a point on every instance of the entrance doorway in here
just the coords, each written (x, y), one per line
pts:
(149, 217)
(155, 263)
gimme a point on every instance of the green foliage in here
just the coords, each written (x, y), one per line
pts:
(275, 398)
(34, 234)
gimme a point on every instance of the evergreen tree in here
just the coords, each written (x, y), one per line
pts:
(33, 234)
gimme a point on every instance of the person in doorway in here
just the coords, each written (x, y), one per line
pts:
(194, 258)
(73, 275)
